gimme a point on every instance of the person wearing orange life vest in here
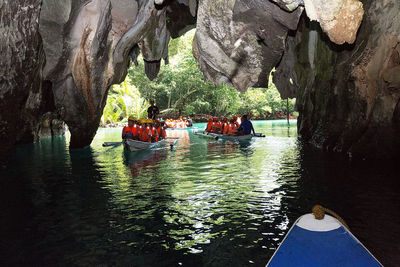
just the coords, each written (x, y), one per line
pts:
(216, 126)
(127, 130)
(219, 126)
(146, 134)
(232, 127)
(135, 130)
(224, 126)
(143, 131)
(154, 135)
(209, 125)
(162, 134)
(140, 129)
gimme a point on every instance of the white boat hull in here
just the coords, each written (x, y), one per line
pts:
(134, 145)
(224, 136)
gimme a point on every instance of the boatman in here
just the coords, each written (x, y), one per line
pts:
(127, 131)
(152, 111)
(246, 127)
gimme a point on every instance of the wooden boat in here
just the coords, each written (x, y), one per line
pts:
(135, 145)
(321, 242)
(224, 136)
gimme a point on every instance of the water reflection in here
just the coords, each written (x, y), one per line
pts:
(203, 203)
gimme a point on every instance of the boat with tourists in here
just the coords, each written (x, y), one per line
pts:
(316, 239)
(143, 134)
(233, 129)
(180, 123)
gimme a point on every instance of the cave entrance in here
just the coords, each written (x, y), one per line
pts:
(180, 89)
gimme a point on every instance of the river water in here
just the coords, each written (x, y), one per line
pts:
(202, 203)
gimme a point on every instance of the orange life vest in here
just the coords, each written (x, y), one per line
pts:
(145, 136)
(127, 132)
(140, 132)
(215, 127)
(161, 132)
(154, 134)
(209, 126)
(134, 130)
(225, 128)
(232, 128)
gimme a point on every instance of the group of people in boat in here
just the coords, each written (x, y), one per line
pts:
(179, 123)
(234, 126)
(145, 130)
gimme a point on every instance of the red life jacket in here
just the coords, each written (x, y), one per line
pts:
(154, 134)
(225, 128)
(232, 128)
(219, 127)
(140, 132)
(127, 132)
(209, 126)
(146, 136)
(161, 133)
(215, 127)
(134, 130)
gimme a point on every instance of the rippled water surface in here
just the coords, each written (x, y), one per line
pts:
(203, 203)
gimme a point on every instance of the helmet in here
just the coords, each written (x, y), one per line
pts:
(131, 118)
(149, 121)
(225, 119)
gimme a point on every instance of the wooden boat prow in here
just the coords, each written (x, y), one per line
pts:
(326, 242)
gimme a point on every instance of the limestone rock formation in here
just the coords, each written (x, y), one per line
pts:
(239, 42)
(20, 72)
(340, 19)
(348, 96)
(78, 40)
(59, 58)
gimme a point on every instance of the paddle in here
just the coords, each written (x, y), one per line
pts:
(172, 144)
(258, 135)
(111, 143)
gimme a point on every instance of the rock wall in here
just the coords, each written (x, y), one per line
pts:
(20, 72)
(239, 42)
(348, 96)
(89, 46)
(61, 57)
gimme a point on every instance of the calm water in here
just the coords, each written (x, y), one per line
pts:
(204, 203)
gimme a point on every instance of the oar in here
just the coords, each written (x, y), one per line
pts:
(258, 135)
(112, 143)
(171, 137)
(172, 144)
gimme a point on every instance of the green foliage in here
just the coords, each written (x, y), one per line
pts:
(123, 101)
(181, 87)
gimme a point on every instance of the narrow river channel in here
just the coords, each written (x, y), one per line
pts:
(203, 203)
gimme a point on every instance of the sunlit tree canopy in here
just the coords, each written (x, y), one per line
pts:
(180, 88)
